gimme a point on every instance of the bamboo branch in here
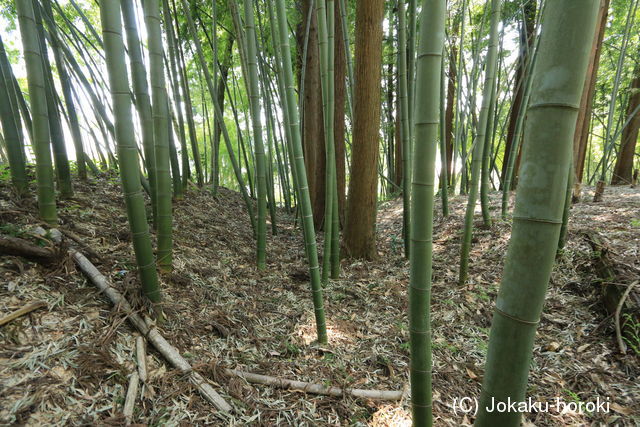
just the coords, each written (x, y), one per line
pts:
(21, 312)
(153, 336)
(317, 388)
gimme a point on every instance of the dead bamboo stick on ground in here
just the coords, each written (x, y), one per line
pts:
(141, 358)
(316, 388)
(130, 400)
(152, 334)
(21, 312)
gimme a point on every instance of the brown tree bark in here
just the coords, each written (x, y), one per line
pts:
(340, 91)
(451, 93)
(527, 29)
(360, 229)
(622, 173)
(312, 117)
(583, 122)
(398, 152)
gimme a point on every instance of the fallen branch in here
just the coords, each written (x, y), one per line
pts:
(20, 247)
(316, 388)
(21, 312)
(150, 333)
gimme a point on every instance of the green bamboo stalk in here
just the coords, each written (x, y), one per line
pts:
(427, 118)
(486, 157)
(41, 136)
(127, 152)
(254, 103)
(444, 180)
(300, 173)
(17, 100)
(13, 144)
(188, 105)
(159, 107)
(142, 98)
(219, 116)
(65, 82)
(515, 145)
(326, 34)
(566, 39)
(487, 93)
(60, 158)
(405, 133)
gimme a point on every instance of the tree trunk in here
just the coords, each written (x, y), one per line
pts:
(622, 174)
(340, 69)
(583, 123)
(451, 91)
(312, 118)
(527, 36)
(360, 229)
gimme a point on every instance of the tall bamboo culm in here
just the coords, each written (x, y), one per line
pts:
(254, 104)
(41, 136)
(160, 109)
(476, 163)
(127, 150)
(427, 119)
(566, 38)
(300, 173)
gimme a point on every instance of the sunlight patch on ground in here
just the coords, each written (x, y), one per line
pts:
(391, 416)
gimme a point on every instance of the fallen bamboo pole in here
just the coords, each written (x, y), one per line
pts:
(316, 388)
(21, 312)
(153, 336)
(130, 400)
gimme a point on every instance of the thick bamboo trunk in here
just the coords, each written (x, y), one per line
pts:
(566, 35)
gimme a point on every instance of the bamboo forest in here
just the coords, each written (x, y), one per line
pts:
(319, 212)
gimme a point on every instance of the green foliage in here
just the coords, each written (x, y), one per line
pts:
(632, 332)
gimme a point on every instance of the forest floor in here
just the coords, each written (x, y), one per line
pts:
(69, 363)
